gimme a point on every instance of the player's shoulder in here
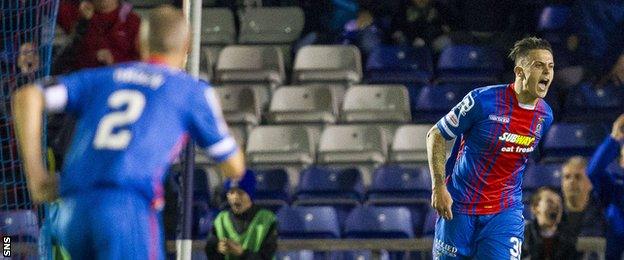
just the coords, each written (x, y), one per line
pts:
(544, 108)
(489, 90)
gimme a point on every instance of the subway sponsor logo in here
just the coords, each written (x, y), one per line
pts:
(517, 139)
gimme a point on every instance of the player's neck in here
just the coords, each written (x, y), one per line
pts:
(167, 60)
(523, 95)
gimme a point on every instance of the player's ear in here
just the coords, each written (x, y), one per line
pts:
(519, 71)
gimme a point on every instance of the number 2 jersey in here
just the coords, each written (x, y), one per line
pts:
(132, 121)
(494, 136)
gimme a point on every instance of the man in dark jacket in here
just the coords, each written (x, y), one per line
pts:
(245, 231)
(550, 235)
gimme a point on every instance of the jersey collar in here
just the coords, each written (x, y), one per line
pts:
(523, 106)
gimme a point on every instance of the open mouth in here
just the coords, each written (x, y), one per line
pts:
(542, 84)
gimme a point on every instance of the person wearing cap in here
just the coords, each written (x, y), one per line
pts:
(244, 231)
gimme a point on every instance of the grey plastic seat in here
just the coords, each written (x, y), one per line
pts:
(270, 25)
(240, 105)
(410, 144)
(328, 63)
(250, 64)
(297, 104)
(289, 147)
(217, 26)
(376, 103)
(361, 146)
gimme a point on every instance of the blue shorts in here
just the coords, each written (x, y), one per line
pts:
(109, 224)
(495, 236)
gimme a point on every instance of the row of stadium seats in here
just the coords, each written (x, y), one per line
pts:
(391, 183)
(371, 145)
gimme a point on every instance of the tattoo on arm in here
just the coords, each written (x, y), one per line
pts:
(436, 154)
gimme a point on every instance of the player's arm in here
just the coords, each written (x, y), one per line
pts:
(604, 155)
(452, 125)
(211, 132)
(28, 106)
(441, 199)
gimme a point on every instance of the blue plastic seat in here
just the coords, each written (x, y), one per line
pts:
(587, 103)
(399, 183)
(435, 101)
(22, 225)
(308, 222)
(568, 139)
(321, 183)
(399, 65)
(469, 63)
(272, 188)
(553, 18)
(296, 255)
(379, 222)
(538, 175)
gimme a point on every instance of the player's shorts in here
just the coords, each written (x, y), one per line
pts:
(109, 224)
(495, 236)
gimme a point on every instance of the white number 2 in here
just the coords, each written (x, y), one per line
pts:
(104, 136)
(517, 248)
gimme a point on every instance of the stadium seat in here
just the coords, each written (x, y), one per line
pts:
(201, 186)
(588, 103)
(218, 27)
(399, 65)
(410, 144)
(433, 102)
(469, 63)
(21, 225)
(250, 64)
(567, 139)
(297, 104)
(376, 103)
(240, 105)
(553, 18)
(290, 147)
(308, 222)
(322, 183)
(379, 222)
(538, 175)
(296, 255)
(352, 145)
(272, 188)
(395, 183)
(270, 25)
(328, 63)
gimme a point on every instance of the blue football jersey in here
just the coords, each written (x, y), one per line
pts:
(494, 136)
(132, 121)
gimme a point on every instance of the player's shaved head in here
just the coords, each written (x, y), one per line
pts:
(165, 31)
(522, 48)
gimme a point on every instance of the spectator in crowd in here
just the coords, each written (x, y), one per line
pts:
(245, 231)
(494, 23)
(600, 25)
(578, 197)
(102, 32)
(551, 235)
(606, 173)
(419, 23)
(365, 32)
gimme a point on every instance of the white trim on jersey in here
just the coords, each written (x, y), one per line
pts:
(56, 98)
(446, 129)
(221, 148)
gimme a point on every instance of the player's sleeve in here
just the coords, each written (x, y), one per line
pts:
(66, 93)
(461, 117)
(208, 127)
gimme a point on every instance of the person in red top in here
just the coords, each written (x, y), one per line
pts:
(102, 32)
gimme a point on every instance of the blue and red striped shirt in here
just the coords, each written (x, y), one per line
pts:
(494, 136)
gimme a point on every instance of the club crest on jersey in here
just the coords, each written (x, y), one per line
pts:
(500, 119)
(538, 127)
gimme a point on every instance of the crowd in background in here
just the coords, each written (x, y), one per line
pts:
(590, 47)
